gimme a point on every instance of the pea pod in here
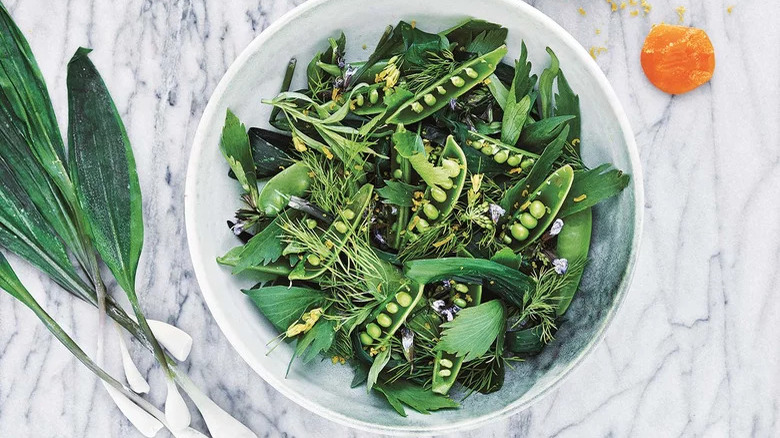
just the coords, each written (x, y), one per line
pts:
(400, 167)
(276, 193)
(311, 265)
(438, 206)
(573, 244)
(435, 97)
(552, 193)
(368, 100)
(447, 365)
(499, 152)
(384, 325)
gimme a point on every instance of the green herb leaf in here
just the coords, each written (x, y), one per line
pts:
(545, 85)
(316, 340)
(477, 36)
(269, 158)
(410, 146)
(523, 81)
(237, 151)
(264, 247)
(537, 135)
(593, 186)
(377, 366)
(473, 330)
(498, 90)
(398, 193)
(568, 104)
(103, 169)
(418, 44)
(261, 273)
(416, 397)
(283, 305)
(507, 257)
(514, 118)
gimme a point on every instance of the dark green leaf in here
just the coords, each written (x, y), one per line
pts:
(316, 340)
(545, 86)
(514, 118)
(418, 44)
(260, 273)
(527, 341)
(398, 193)
(473, 330)
(236, 149)
(10, 283)
(568, 104)
(523, 81)
(477, 36)
(103, 169)
(361, 375)
(283, 305)
(593, 186)
(537, 135)
(269, 159)
(264, 247)
(416, 397)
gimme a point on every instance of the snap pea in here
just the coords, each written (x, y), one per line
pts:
(386, 323)
(447, 365)
(551, 193)
(443, 200)
(401, 169)
(368, 100)
(276, 193)
(573, 244)
(305, 270)
(455, 84)
(507, 156)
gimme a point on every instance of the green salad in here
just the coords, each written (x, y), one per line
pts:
(423, 215)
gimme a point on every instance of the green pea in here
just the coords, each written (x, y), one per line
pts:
(360, 100)
(528, 221)
(501, 157)
(457, 81)
(460, 302)
(389, 92)
(341, 227)
(311, 223)
(438, 194)
(422, 225)
(373, 330)
(417, 107)
(477, 144)
(445, 373)
(446, 363)
(403, 298)
(429, 99)
(373, 96)
(391, 308)
(398, 174)
(537, 209)
(431, 211)
(398, 159)
(384, 320)
(348, 214)
(519, 232)
(451, 166)
(506, 239)
(527, 163)
(313, 260)
(487, 149)
(441, 90)
(514, 160)
(470, 72)
(447, 184)
(462, 288)
(366, 339)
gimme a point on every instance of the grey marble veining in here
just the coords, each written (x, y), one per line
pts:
(693, 352)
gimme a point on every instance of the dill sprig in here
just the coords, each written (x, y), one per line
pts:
(332, 184)
(439, 65)
(437, 241)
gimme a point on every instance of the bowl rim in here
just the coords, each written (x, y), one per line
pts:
(221, 317)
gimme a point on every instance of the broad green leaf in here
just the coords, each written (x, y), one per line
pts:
(316, 340)
(237, 151)
(515, 115)
(523, 81)
(263, 248)
(507, 257)
(398, 193)
(416, 397)
(473, 330)
(477, 36)
(418, 44)
(380, 360)
(103, 170)
(593, 186)
(283, 305)
(568, 104)
(410, 146)
(545, 85)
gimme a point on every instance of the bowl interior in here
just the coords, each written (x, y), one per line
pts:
(211, 199)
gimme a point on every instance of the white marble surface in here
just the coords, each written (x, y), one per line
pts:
(695, 350)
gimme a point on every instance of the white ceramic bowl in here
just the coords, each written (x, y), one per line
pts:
(211, 199)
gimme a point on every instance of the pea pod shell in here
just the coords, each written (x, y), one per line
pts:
(573, 244)
(484, 66)
(276, 193)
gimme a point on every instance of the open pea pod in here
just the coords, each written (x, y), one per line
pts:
(337, 234)
(369, 100)
(538, 212)
(447, 365)
(440, 201)
(379, 331)
(573, 244)
(501, 153)
(435, 97)
(276, 193)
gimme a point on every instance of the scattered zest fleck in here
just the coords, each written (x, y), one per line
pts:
(581, 11)
(681, 13)
(596, 51)
(581, 198)
(730, 9)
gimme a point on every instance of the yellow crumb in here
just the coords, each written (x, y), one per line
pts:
(581, 11)
(614, 6)
(365, 47)
(596, 51)
(598, 31)
(681, 13)
(632, 2)
(623, 5)
(730, 9)
(634, 13)
(646, 6)
(414, 23)
(580, 198)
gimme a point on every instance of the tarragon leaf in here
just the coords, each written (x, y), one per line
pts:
(398, 193)
(545, 85)
(283, 305)
(416, 397)
(523, 80)
(593, 186)
(568, 104)
(515, 115)
(410, 146)
(377, 366)
(237, 151)
(473, 330)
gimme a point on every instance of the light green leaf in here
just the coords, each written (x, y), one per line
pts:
(410, 146)
(380, 360)
(593, 186)
(283, 305)
(514, 118)
(507, 257)
(398, 193)
(263, 248)
(498, 90)
(545, 85)
(316, 340)
(416, 397)
(237, 151)
(473, 330)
